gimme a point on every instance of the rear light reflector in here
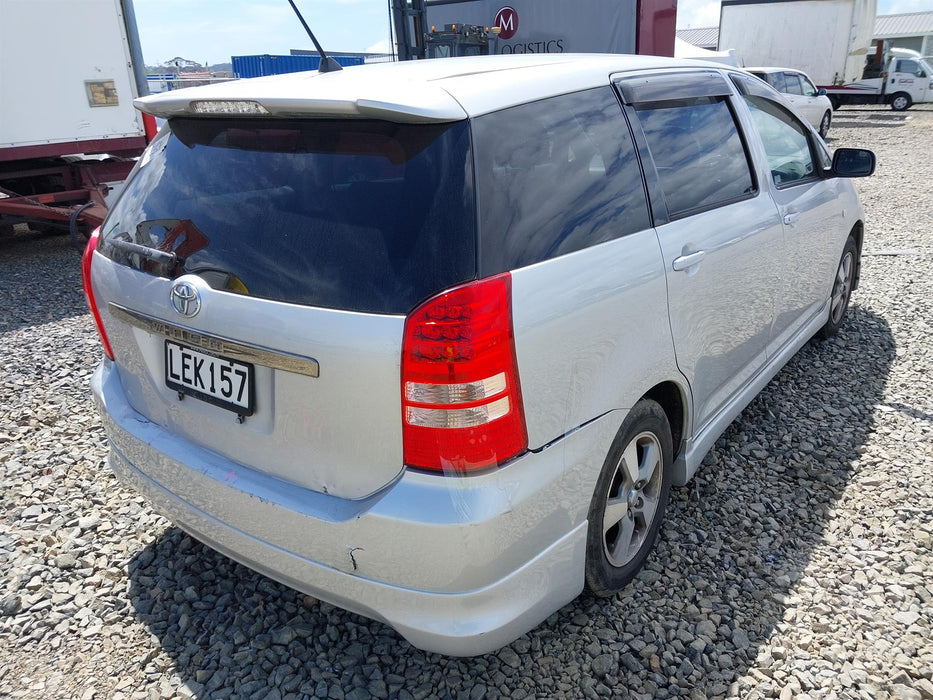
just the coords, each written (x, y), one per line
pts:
(459, 417)
(86, 261)
(455, 393)
(461, 400)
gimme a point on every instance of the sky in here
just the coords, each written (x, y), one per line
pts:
(705, 13)
(210, 31)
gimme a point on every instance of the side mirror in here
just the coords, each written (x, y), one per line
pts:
(821, 91)
(853, 162)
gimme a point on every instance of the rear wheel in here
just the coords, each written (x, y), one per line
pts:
(628, 504)
(900, 101)
(824, 124)
(842, 289)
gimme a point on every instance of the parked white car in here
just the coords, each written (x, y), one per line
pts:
(433, 340)
(800, 91)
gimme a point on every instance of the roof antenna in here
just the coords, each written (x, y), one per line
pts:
(328, 64)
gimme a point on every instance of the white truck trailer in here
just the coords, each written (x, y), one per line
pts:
(70, 73)
(830, 40)
(435, 28)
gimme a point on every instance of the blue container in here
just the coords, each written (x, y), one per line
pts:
(264, 64)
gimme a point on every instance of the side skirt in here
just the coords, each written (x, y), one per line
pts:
(695, 448)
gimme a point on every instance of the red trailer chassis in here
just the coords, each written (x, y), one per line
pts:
(39, 183)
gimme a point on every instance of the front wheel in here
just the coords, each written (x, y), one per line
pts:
(900, 101)
(824, 124)
(628, 504)
(842, 290)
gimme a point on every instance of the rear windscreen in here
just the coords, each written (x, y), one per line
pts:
(357, 215)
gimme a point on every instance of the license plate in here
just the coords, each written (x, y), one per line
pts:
(217, 380)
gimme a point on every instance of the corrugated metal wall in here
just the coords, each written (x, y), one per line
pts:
(264, 64)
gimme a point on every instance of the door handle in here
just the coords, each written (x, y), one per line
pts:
(791, 219)
(685, 261)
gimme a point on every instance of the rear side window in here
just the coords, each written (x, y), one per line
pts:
(699, 155)
(793, 84)
(349, 214)
(776, 80)
(553, 177)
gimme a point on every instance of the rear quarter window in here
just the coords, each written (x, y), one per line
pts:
(553, 177)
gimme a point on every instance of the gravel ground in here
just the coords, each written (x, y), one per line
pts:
(797, 564)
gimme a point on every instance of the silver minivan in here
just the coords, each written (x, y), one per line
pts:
(432, 341)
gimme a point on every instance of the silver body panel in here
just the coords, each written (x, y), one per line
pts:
(583, 347)
(721, 307)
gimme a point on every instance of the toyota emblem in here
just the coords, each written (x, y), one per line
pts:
(186, 299)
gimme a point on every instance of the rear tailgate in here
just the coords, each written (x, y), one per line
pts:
(255, 275)
(338, 433)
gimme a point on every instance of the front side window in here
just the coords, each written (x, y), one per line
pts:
(553, 177)
(699, 155)
(808, 88)
(907, 65)
(785, 139)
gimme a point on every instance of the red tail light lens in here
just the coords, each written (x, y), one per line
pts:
(150, 127)
(461, 401)
(86, 260)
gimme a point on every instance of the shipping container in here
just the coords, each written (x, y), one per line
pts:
(264, 64)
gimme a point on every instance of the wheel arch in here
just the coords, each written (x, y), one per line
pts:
(857, 234)
(673, 400)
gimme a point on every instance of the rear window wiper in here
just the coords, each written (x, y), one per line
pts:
(154, 254)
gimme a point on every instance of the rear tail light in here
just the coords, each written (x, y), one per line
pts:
(461, 400)
(150, 127)
(86, 260)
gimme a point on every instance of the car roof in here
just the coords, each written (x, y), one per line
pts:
(435, 90)
(772, 69)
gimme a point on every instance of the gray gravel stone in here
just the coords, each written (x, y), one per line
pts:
(602, 665)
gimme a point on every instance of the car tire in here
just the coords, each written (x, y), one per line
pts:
(842, 289)
(900, 101)
(628, 503)
(834, 101)
(824, 124)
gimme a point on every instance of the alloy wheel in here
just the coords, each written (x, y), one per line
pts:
(632, 500)
(842, 287)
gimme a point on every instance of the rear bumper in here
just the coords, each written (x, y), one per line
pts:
(458, 566)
